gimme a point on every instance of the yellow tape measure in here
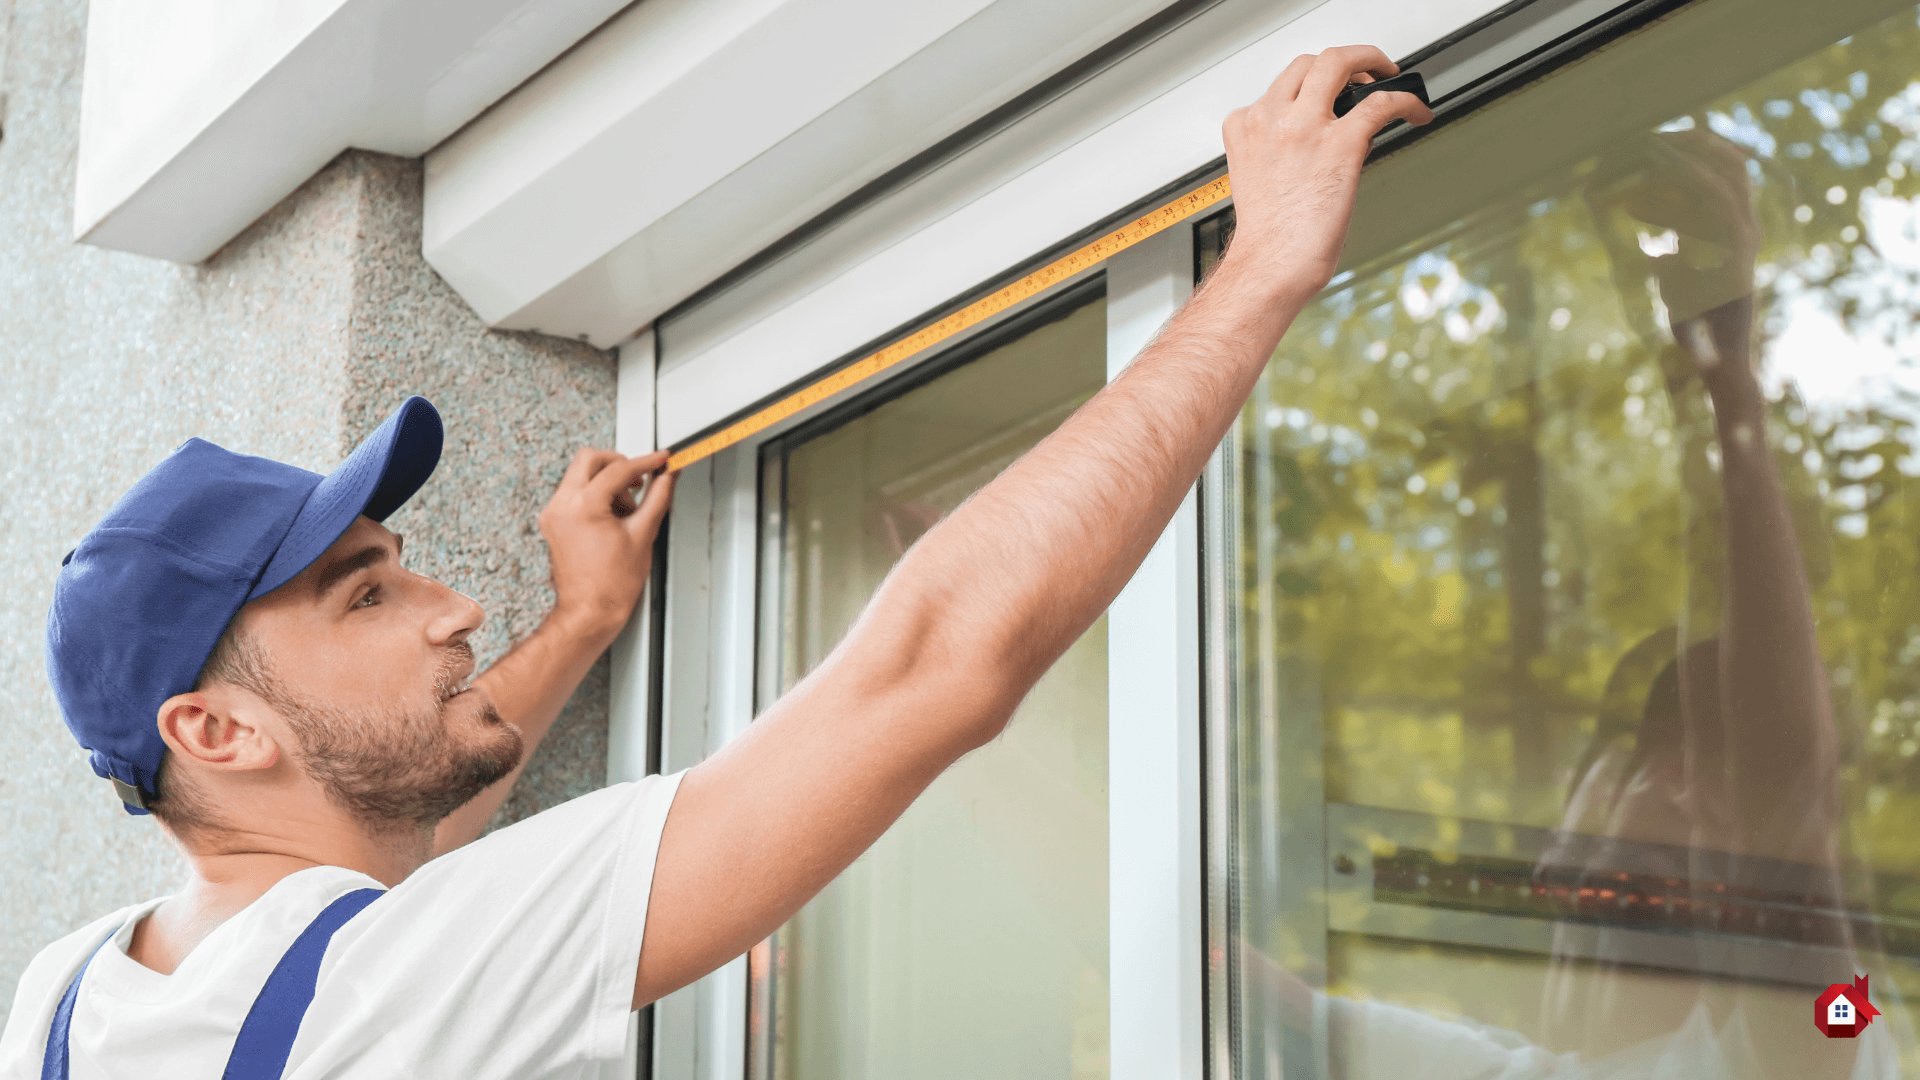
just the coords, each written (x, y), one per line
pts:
(972, 315)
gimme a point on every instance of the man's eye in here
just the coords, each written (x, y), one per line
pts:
(368, 598)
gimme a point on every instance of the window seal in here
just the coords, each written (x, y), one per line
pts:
(1521, 71)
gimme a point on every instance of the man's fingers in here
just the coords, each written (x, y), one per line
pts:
(1287, 86)
(1333, 69)
(1376, 111)
(1728, 160)
(1661, 213)
(1707, 146)
(653, 505)
(584, 465)
(617, 476)
(1684, 194)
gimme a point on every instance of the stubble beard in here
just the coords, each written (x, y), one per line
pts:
(402, 768)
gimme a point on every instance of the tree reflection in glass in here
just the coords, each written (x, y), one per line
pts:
(1578, 599)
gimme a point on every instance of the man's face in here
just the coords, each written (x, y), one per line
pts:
(369, 664)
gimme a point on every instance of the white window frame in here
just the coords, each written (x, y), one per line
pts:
(1154, 850)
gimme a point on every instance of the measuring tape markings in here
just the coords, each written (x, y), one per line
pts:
(972, 315)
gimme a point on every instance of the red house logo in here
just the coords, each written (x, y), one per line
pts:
(1842, 1011)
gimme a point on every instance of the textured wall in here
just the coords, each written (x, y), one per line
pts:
(292, 342)
(517, 406)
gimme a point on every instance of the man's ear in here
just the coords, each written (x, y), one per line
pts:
(218, 729)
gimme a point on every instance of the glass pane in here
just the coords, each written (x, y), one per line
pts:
(1575, 532)
(905, 966)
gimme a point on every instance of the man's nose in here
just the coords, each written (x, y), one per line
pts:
(460, 615)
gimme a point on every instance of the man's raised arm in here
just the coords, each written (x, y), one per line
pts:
(986, 602)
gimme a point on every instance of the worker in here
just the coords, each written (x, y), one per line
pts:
(242, 651)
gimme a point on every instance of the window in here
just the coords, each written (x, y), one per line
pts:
(971, 940)
(1572, 644)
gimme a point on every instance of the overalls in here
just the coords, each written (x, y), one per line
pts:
(266, 1036)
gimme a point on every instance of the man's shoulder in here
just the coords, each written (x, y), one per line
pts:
(58, 961)
(42, 984)
(585, 813)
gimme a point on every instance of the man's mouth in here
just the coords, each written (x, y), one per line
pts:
(453, 689)
(455, 676)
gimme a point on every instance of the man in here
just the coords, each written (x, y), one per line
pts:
(322, 757)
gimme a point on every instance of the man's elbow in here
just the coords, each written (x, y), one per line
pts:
(958, 678)
(976, 689)
(954, 703)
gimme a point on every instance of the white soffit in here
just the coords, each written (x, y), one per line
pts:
(1141, 124)
(197, 116)
(686, 135)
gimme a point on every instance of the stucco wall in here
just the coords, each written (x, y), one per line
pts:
(292, 342)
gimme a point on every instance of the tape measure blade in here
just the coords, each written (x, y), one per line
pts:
(1075, 262)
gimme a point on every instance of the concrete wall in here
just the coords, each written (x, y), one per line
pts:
(292, 342)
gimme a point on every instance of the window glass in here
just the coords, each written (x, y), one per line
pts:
(971, 941)
(1574, 725)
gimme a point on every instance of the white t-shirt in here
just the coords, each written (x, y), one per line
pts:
(512, 957)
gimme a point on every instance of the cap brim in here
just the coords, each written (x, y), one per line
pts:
(382, 473)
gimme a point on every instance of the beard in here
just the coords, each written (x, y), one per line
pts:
(403, 767)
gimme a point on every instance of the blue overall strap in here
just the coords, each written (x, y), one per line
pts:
(266, 1036)
(54, 1065)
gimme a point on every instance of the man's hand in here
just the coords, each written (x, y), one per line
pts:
(1295, 167)
(989, 598)
(601, 547)
(599, 540)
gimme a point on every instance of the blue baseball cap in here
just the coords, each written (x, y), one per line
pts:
(140, 604)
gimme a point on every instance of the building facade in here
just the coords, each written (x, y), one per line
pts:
(1529, 688)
